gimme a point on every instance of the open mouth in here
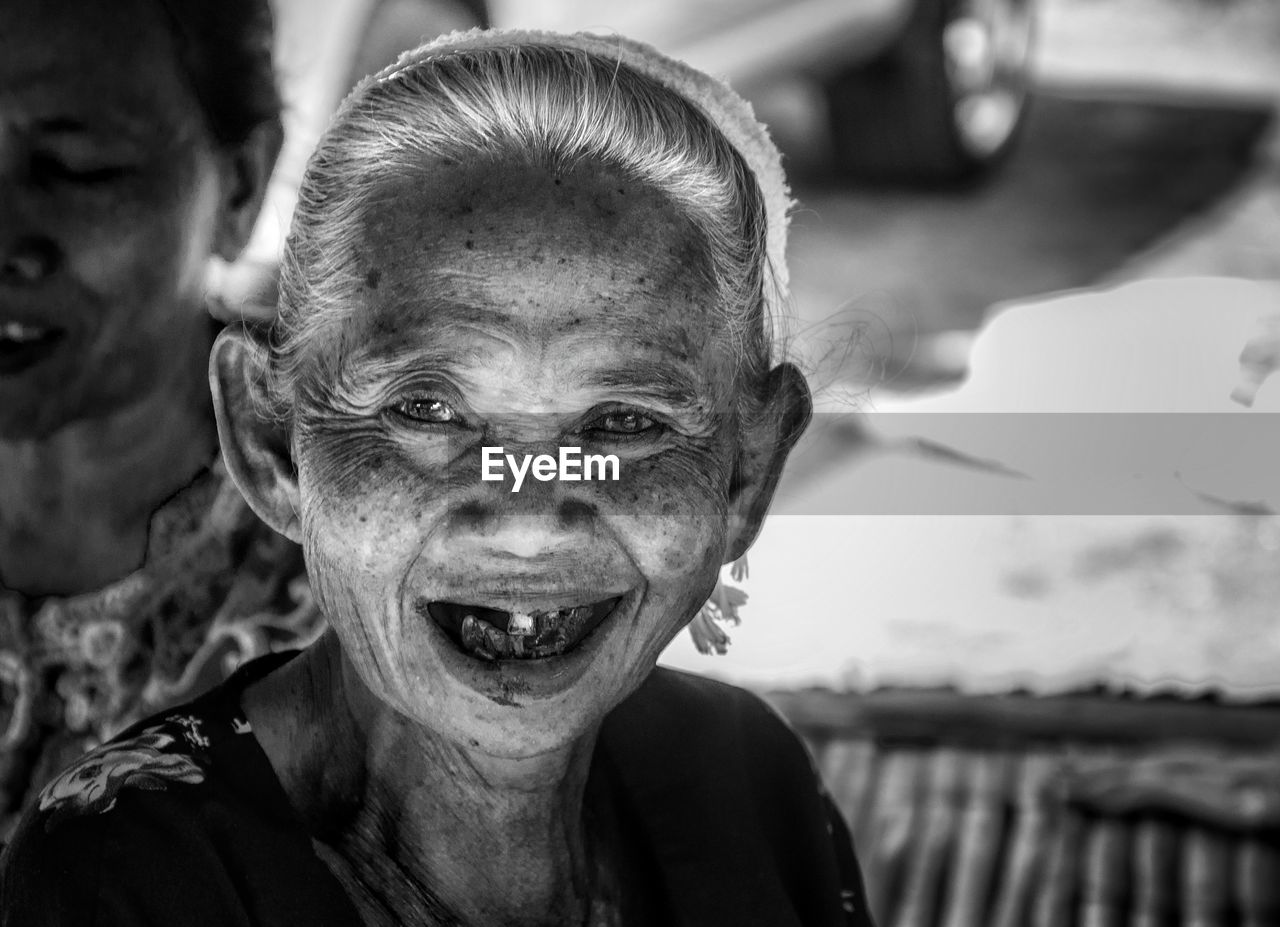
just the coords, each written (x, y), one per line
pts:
(22, 344)
(494, 634)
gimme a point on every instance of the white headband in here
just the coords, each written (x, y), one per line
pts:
(727, 111)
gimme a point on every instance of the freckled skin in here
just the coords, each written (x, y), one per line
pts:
(557, 281)
(580, 304)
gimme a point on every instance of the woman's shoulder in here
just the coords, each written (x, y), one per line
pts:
(723, 783)
(160, 754)
(719, 736)
(124, 821)
(684, 706)
(190, 754)
(177, 821)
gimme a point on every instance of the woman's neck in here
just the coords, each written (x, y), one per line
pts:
(75, 507)
(488, 840)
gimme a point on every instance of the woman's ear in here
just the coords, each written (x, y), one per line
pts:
(254, 447)
(246, 170)
(766, 444)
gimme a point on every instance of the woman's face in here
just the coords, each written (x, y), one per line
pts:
(510, 307)
(108, 199)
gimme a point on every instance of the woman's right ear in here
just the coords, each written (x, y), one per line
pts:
(255, 447)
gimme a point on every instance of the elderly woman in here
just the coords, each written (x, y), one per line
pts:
(533, 243)
(136, 138)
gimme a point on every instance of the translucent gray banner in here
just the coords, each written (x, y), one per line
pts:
(1035, 464)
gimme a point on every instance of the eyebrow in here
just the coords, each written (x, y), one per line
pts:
(651, 380)
(103, 125)
(362, 376)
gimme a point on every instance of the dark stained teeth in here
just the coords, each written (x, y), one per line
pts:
(498, 642)
(472, 635)
(494, 634)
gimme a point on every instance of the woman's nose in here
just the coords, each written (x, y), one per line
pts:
(28, 260)
(27, 255)
(522, 528)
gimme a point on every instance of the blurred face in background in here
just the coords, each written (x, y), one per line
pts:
(109, 209)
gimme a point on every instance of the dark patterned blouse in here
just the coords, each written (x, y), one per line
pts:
(181, 822)
(218, 588)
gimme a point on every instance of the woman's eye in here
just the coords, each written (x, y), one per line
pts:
(50, 169)
(623, 422)
(426, 409)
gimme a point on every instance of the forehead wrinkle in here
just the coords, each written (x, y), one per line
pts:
(431, 311)
(363, 378)
(649, 378)
(361, 381)
(431, 347)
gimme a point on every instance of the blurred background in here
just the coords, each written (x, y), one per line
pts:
(1021, 588)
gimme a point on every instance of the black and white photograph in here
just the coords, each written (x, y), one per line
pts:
(666, 463)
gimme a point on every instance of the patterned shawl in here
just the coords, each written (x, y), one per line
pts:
(218, 588)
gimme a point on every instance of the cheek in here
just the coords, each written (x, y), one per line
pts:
(689, 482)
(353, 488)
(144, 245)
(358, 537)
(366, 507)
(673, 512)
(344, 464)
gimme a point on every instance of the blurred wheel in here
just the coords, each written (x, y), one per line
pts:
(945, 103)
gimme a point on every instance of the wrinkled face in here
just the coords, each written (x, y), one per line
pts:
(509, 307)
(107, 204)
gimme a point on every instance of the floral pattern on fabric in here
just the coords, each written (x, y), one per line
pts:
(219, 588)
(150, 760)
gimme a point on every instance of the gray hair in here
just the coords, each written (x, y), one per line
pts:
(542, 104)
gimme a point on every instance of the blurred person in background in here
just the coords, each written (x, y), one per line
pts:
(136, 140)
(323, 49)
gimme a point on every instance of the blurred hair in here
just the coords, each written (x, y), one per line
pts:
(539, 104)
(225, 51)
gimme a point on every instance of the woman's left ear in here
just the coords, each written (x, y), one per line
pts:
(765, 446)
(245, 172)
